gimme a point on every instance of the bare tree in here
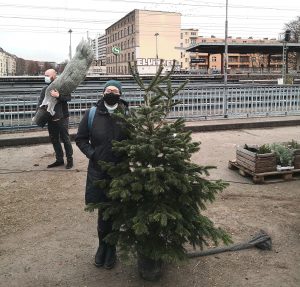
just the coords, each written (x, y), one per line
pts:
(294, 27)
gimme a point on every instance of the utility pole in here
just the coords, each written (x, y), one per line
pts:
(156, 35)
(226, 63)
(286, 39)
(70, 47)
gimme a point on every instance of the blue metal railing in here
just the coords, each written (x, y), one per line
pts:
(18, 105)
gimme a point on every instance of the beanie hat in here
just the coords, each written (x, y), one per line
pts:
(114, 83)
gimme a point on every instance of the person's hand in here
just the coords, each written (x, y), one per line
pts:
(54, 93)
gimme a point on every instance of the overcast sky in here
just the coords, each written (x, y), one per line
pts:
(38, 30)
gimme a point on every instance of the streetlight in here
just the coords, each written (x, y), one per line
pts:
(226, 61)
(156, 34)
(70, 47)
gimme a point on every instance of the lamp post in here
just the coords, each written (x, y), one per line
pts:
(70, 47)
(156, 35)
(226, 61)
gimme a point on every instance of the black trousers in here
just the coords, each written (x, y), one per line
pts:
(59, 131)
(104, 226)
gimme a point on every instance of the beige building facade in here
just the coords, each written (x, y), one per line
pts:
(188, 37)
(7, 64)
(145, 37)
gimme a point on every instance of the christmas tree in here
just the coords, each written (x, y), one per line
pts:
(157, 193)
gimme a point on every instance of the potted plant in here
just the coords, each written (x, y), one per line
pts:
(294, 146)
(157, 193)
(284, 156)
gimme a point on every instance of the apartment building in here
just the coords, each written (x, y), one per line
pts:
(7, 64)
(99, 48)
(237, 62)
(143, 36)
(188, 37)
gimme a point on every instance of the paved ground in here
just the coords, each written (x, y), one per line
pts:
(46, 239)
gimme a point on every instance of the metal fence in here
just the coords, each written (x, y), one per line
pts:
(197, 102)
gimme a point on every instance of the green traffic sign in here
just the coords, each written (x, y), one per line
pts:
(116, 50)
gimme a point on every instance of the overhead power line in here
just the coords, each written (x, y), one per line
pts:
(221, 5)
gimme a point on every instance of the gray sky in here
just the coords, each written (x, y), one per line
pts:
(38, 30)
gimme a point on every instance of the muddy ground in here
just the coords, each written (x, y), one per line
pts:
(46, 238)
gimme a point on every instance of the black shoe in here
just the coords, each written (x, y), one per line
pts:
(55, 164)
(110, 257)
(100, 255)
(69, 163)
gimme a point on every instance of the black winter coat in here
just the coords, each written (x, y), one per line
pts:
(96, 144)
(61, 107)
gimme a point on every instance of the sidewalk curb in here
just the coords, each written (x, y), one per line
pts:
(23, 141)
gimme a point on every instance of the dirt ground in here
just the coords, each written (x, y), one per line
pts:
(47, 239)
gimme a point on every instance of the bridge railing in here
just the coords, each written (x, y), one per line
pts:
(197, 102)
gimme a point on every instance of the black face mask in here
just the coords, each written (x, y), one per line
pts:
(111, 99)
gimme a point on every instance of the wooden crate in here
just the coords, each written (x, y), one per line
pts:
(296, 162)
(254, 162)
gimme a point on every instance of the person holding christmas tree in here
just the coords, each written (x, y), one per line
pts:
(58, 125)
(97, 129)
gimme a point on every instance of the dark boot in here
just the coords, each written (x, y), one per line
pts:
(69, 163)
(110, 257)
(100, 255)
(56, 163)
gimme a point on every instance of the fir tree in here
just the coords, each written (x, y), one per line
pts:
(157, 193)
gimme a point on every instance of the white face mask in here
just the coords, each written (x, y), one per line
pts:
(47, 80)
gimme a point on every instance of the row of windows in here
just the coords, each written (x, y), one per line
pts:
(186, 33)
(121, 58)
(120, 34)
(130, 43)
(187, 41)
(121, 24)
(120, 70)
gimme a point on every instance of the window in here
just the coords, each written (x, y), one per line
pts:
(232, 59)
(128, 56)
(132, 56)
(213, 58)
(181, 35)
(244, 59)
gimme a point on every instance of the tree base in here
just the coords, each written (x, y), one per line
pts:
(149, 269)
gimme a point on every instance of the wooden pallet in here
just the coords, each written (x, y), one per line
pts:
(263, 177)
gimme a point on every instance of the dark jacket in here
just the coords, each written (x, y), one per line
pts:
(61, 107)
(96, 144)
